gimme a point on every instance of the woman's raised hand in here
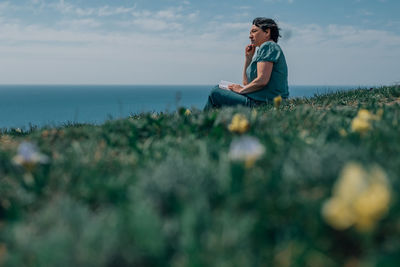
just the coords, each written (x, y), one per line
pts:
(249, 52)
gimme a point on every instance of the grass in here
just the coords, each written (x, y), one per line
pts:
(162, 189)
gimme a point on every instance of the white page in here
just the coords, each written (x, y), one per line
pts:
(224, 84)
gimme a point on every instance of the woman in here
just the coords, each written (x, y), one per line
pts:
(264, 75)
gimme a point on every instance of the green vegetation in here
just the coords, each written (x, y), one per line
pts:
(164, 189)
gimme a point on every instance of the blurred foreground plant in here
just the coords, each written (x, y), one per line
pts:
(239, 124)
(360, 198)
(247, 149)
(362, 122)
(29, 156)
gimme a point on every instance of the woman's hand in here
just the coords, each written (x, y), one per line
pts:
(235, 88)
(249, 51)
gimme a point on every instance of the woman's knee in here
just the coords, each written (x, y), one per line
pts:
(215, 93)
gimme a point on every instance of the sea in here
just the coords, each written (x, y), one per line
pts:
(26, 106)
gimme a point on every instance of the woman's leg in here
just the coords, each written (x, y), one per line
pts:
(221, 97)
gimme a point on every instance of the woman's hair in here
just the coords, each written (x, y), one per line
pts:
(265, 23)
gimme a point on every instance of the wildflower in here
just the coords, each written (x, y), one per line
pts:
(351, 182)
(304, 134)
(247, 149)
(365, 114)
(277, 101)
(360, 198)
(28, 156)
(360, 125)
(187, 112)
(362, 122)
(342, 132)
(335, 211)
(239, 124)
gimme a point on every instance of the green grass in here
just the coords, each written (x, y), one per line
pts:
(161, 190)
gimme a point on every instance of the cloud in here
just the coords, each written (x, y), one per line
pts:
(169, 20)
(156, 25)
(341, 55)
(238, 26)
(80, 23)
(80, 49)
(103, 11)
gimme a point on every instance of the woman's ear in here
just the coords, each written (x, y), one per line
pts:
(268, 32)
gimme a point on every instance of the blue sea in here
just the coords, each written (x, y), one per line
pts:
(55, 105)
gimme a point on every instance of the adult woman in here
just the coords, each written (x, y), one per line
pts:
(264, 75)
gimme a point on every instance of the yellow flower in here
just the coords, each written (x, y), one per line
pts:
(239, 124)
(372, 204)
(277, 101)
(187, 112)
(360, 125)
(360, 198)
(362, 122)
(364, 224)
(351, 182)
(342, 132)
(365, 114)
(337, 213)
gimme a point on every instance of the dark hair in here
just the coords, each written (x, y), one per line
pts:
(266, 23)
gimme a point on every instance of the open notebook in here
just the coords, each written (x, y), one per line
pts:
(224, 84)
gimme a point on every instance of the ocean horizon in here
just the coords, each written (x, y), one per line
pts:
(24, 106)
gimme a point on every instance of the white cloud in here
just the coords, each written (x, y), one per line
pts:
(342, 55)
(158, 46)
(80, 23)
(68, 8)
(238, 26)
(157, 25)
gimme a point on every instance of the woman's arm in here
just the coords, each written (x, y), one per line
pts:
(264, 70)
(249, 53)
(246, 64)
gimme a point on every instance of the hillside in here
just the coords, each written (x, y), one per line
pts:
(313, 182)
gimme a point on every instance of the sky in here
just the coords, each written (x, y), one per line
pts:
(176, 42)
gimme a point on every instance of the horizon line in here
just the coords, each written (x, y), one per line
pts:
(116, 84)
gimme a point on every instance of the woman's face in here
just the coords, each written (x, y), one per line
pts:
(258, 36)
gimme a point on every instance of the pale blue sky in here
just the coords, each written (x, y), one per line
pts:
(355, 42)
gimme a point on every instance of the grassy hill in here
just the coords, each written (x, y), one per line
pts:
(313, 182)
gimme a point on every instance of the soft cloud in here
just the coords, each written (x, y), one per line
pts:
(127, 44)
(68, 8)
(342, 55)
(156, 25)
(80, 23)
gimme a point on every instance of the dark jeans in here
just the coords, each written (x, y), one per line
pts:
(222, 97)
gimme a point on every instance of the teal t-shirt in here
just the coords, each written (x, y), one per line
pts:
(278, 83)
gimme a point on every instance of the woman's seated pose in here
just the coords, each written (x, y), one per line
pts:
(264, 75)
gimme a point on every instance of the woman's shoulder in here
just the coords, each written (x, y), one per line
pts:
(270, 45)
(269, 51)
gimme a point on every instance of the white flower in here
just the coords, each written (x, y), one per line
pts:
(247, 149)
(28, 155)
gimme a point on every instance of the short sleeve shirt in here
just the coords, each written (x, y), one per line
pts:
(278, 83)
